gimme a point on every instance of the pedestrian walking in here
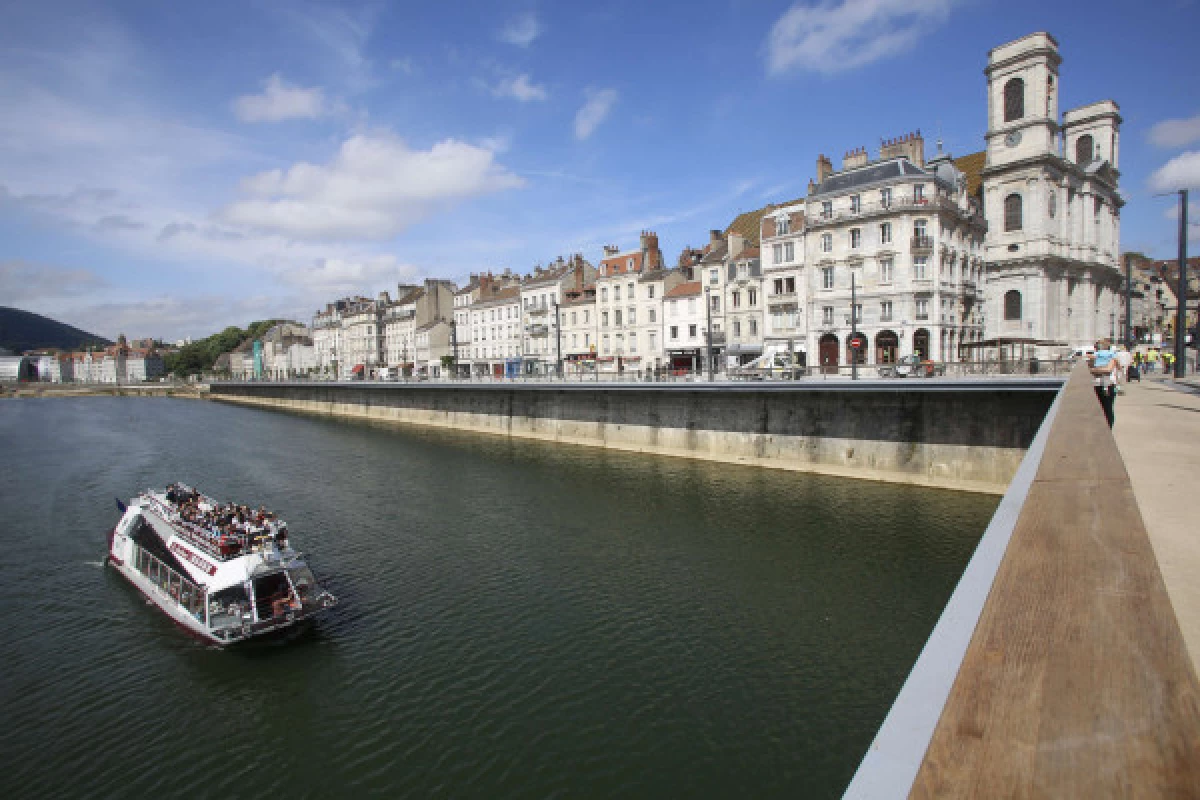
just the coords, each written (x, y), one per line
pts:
(1103, 365)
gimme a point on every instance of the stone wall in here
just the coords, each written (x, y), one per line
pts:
(959, 435)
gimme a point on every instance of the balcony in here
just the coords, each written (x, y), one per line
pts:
(537, 330)
(922, 243)
(784, 299)
(537, 311)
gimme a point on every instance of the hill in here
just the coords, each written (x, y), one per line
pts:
(23, 330)
(199, 356)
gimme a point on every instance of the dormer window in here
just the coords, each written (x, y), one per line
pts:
(855, 204)
(919, 193)
(782, 225)
(629, 264)
(885, 198)
(827, 209)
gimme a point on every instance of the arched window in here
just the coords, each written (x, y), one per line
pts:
(1012, 212)
(1085, 150)
(1014, 100)
(1012, 304)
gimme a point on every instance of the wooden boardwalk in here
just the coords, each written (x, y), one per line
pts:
(1076, 682)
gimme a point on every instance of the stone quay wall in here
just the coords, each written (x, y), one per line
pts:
(965, 435)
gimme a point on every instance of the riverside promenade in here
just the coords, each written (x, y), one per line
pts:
(1158, 434)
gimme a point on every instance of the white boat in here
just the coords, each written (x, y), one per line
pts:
(222, 572)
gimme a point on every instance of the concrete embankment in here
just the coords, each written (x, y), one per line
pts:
(967, 435)
(100, 390)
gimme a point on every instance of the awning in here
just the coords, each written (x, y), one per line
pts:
(738, 349)
(357, 369)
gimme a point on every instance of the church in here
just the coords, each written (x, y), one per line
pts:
(1052, 207)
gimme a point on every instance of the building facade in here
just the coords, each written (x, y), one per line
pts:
(1052, 206)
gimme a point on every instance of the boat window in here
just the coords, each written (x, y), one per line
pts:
(272, 595)
(305, 584)
(228, 607)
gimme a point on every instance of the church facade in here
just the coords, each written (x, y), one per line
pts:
(1052, 205)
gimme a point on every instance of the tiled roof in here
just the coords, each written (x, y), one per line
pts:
(749, 224)
(716, 252)
(685, 290)
(972, 166)
(502, 296)
(748, 253)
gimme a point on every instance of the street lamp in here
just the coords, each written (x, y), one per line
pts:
(708, 317)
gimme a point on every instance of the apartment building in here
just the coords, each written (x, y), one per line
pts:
(685, 327)
(580, 327)
(414, 309)
(542, 292)
(785, 282)
(496, 339)
(894, 251)
(621, 347)
(744, 304)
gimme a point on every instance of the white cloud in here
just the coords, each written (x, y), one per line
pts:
(279, 101)
(521, 88)
(597, 107)
(1176, 132)
(838, 35)
(375, 187)
(1181, 172)
(521, 30)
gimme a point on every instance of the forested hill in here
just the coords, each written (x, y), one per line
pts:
(200, 355)
(23, 330)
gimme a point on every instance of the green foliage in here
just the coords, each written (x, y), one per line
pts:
(199, 356)
(447, 362)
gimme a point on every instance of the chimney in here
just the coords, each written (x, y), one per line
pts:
(651, 255)
(824, 168)
(855, 158)
(910, 146)
(610, 250)
(737, 243)
(715, 236)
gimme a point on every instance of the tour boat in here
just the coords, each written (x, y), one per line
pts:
(224, 573)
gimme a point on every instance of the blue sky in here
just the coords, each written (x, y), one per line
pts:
(167, 169)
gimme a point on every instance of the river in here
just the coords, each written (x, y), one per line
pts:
(517, 618)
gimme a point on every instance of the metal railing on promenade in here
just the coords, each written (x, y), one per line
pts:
(931, 370)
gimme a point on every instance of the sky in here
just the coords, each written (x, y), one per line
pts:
(168, 169)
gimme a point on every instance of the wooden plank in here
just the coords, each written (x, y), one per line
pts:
(1076, 682)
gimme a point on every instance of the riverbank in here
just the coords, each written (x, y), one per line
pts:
(961, 435)
(100, 390)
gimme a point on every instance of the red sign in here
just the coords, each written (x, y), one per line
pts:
(858, 341)
(193, 558)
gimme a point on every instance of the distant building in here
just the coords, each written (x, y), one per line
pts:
(616, 285)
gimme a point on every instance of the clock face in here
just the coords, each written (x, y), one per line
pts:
(1013, 139)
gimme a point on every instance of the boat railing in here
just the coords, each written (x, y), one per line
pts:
(223, 546)
(185, 593)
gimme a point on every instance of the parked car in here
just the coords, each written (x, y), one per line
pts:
(912, 366)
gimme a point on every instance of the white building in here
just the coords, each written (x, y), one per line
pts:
(482, 286)
(621, 347)
(685, 326)
(496, 333)
(651, 288)
(1052, 206)
(785, 282)
(415, 308)
(541, 296)
(580, 327)
(744, 304)
(329, 339)
(903, 240)
(362, 339)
